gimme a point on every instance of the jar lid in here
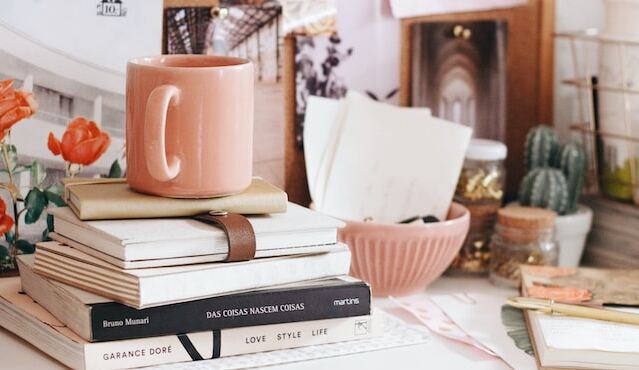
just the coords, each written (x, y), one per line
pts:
(527, 218)
(486, 150)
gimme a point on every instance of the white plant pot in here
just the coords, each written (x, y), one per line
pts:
(571, 232)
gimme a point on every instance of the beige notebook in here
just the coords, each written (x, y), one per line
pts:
(108, 199)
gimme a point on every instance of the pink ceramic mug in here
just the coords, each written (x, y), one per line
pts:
(189, 125)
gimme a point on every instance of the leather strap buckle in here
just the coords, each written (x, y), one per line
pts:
(239, 233)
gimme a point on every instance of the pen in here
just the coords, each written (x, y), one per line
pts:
(552, 307)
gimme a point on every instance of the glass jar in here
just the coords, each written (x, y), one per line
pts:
(523, 235)
(480, 188)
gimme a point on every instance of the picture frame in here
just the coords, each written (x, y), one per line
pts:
(529, 65)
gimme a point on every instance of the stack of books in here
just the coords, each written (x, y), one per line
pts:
(135, 284)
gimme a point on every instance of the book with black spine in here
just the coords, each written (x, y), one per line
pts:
(95, 318)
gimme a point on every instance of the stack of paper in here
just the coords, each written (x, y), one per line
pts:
(366, 159)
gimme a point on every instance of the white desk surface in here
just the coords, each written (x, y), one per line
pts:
(441, 353)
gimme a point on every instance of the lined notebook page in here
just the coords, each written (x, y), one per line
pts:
(571, 333)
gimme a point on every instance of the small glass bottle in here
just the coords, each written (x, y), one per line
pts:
(480, 189)
(523, 235)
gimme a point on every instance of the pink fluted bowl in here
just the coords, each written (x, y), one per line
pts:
(399, 259)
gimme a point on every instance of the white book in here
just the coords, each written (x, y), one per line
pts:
(299, 230)
(141, 288)
(24, 317)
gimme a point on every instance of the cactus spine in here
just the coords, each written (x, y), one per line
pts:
(542, 147)
(555, 175)
(572, 161)
(545, 187)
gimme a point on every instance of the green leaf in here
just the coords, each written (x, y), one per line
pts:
(4, 252)
(38, 173)
(10, 236)
(56, 188)
(25, 246)
(35, 202)
(45, 235)
(55, 198)
(115, 171)
(49, 222)
(54, 194)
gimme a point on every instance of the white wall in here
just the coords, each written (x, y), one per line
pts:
(570, 15)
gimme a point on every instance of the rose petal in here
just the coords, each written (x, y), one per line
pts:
(72, 137)
(3, 206)
(78, 122)
(88, 151)
(54, 144)
(94, 129)
(7, 105)
(6, 223)
(106, 142)
(5, 85)
(14, 116)
(27, 100)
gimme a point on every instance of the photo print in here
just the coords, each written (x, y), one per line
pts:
(239, 28)
(458, 70)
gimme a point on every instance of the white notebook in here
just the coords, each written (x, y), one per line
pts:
(141, 288)
(297, 231)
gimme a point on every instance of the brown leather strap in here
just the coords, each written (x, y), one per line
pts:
(239, 233)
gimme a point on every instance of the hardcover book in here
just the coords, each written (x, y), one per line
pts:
(95, 318)
(578, 343)
(299, 230)
(24, 317)
(103, 199)
(141, 288)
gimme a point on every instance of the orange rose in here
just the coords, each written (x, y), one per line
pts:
(6, 222)
(82, 142)
(15, 105)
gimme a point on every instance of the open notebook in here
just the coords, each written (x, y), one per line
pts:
(576, 343)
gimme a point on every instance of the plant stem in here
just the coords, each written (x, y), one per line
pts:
(73, 169)
(13, 250)
(5, 158)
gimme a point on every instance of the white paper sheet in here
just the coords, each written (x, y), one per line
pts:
(414, 8)
(390, 163)
(319, 121)
(479, 315)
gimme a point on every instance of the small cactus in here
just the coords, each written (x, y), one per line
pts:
(542, 147)
(545, 187)
(572, 161)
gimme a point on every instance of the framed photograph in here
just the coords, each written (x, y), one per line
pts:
(246, 29)
(458, 70)
(72, 55)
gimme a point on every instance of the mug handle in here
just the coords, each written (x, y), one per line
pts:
(157, 106)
